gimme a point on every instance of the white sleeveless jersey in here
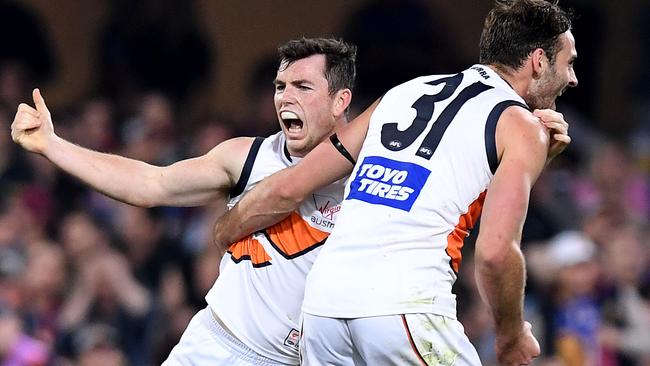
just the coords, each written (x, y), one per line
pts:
(261, 283)
(416, 190)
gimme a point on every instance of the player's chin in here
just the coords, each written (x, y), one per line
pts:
(295, 143)
(299, 147)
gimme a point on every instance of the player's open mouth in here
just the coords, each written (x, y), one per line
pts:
(291, 121)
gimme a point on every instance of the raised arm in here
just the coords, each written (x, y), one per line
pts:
(523, 145)
(186, 183)
(280, 194)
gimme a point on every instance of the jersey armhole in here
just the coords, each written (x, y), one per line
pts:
(339, 146)
(490, 131)
(248, 167)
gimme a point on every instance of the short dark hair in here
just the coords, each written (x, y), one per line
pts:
(515, 28)
(340, 59)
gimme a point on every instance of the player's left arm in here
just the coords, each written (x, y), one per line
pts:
(500, 266)
(281, 193)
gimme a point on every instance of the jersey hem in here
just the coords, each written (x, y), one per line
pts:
(355, 314)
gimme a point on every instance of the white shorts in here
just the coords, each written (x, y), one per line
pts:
(410, 339)
(205, 342)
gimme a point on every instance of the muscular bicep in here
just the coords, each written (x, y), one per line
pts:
(204, 179)
(523, 146)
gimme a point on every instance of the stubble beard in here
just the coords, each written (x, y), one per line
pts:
(545, 91)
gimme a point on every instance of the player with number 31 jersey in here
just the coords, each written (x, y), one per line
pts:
(401, 248)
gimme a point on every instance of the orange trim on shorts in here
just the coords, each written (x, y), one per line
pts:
(410, 337)
(293, 237)
(466, 222)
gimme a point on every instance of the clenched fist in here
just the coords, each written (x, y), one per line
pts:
(32, 128)
(518, 350)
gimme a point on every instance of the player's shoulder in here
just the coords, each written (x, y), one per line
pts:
(237, 143)
(235, 147)
(231, 154)
(519, 117)
(518, 125)
(518, 112)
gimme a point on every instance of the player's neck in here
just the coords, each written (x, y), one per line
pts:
(517, 79)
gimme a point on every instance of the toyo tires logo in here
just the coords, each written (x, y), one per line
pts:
(388, 182)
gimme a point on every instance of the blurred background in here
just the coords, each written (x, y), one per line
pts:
(85, 280)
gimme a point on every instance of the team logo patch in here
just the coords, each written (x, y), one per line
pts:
(388, 182)
(292, 338)
(328, 207)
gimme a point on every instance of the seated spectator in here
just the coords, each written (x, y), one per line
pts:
(16, 347)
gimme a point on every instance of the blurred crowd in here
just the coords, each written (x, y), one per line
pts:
(85, 280)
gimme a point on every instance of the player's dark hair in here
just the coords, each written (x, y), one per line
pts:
(340, 59)
(515, 28)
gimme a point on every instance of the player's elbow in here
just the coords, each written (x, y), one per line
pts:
(138, 200)
(494, 254)
(154, 191)
(146, 203)
(147, 194)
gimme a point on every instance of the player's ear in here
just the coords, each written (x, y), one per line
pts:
(342, 100)
(539, 62)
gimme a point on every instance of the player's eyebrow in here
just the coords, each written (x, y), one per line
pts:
(301, 81)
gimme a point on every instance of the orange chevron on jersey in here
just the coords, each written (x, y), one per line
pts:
(456, 237)
(293, 236)
(249, 249)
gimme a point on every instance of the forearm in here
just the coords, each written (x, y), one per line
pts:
(236, 224)
(281, 193)
(501, 285)
(260, 208)
(123, 179)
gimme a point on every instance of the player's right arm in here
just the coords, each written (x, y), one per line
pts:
(281, 193)
(189, 182)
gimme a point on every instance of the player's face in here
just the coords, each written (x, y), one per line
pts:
(303, 104)
(556, 78)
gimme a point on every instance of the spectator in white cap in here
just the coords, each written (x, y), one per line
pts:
(571, 260)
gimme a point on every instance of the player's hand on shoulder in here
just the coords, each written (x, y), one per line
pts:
(558, 129)
(517, 349)
(32, 127)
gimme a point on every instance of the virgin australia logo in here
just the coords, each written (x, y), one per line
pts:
(327, 206)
